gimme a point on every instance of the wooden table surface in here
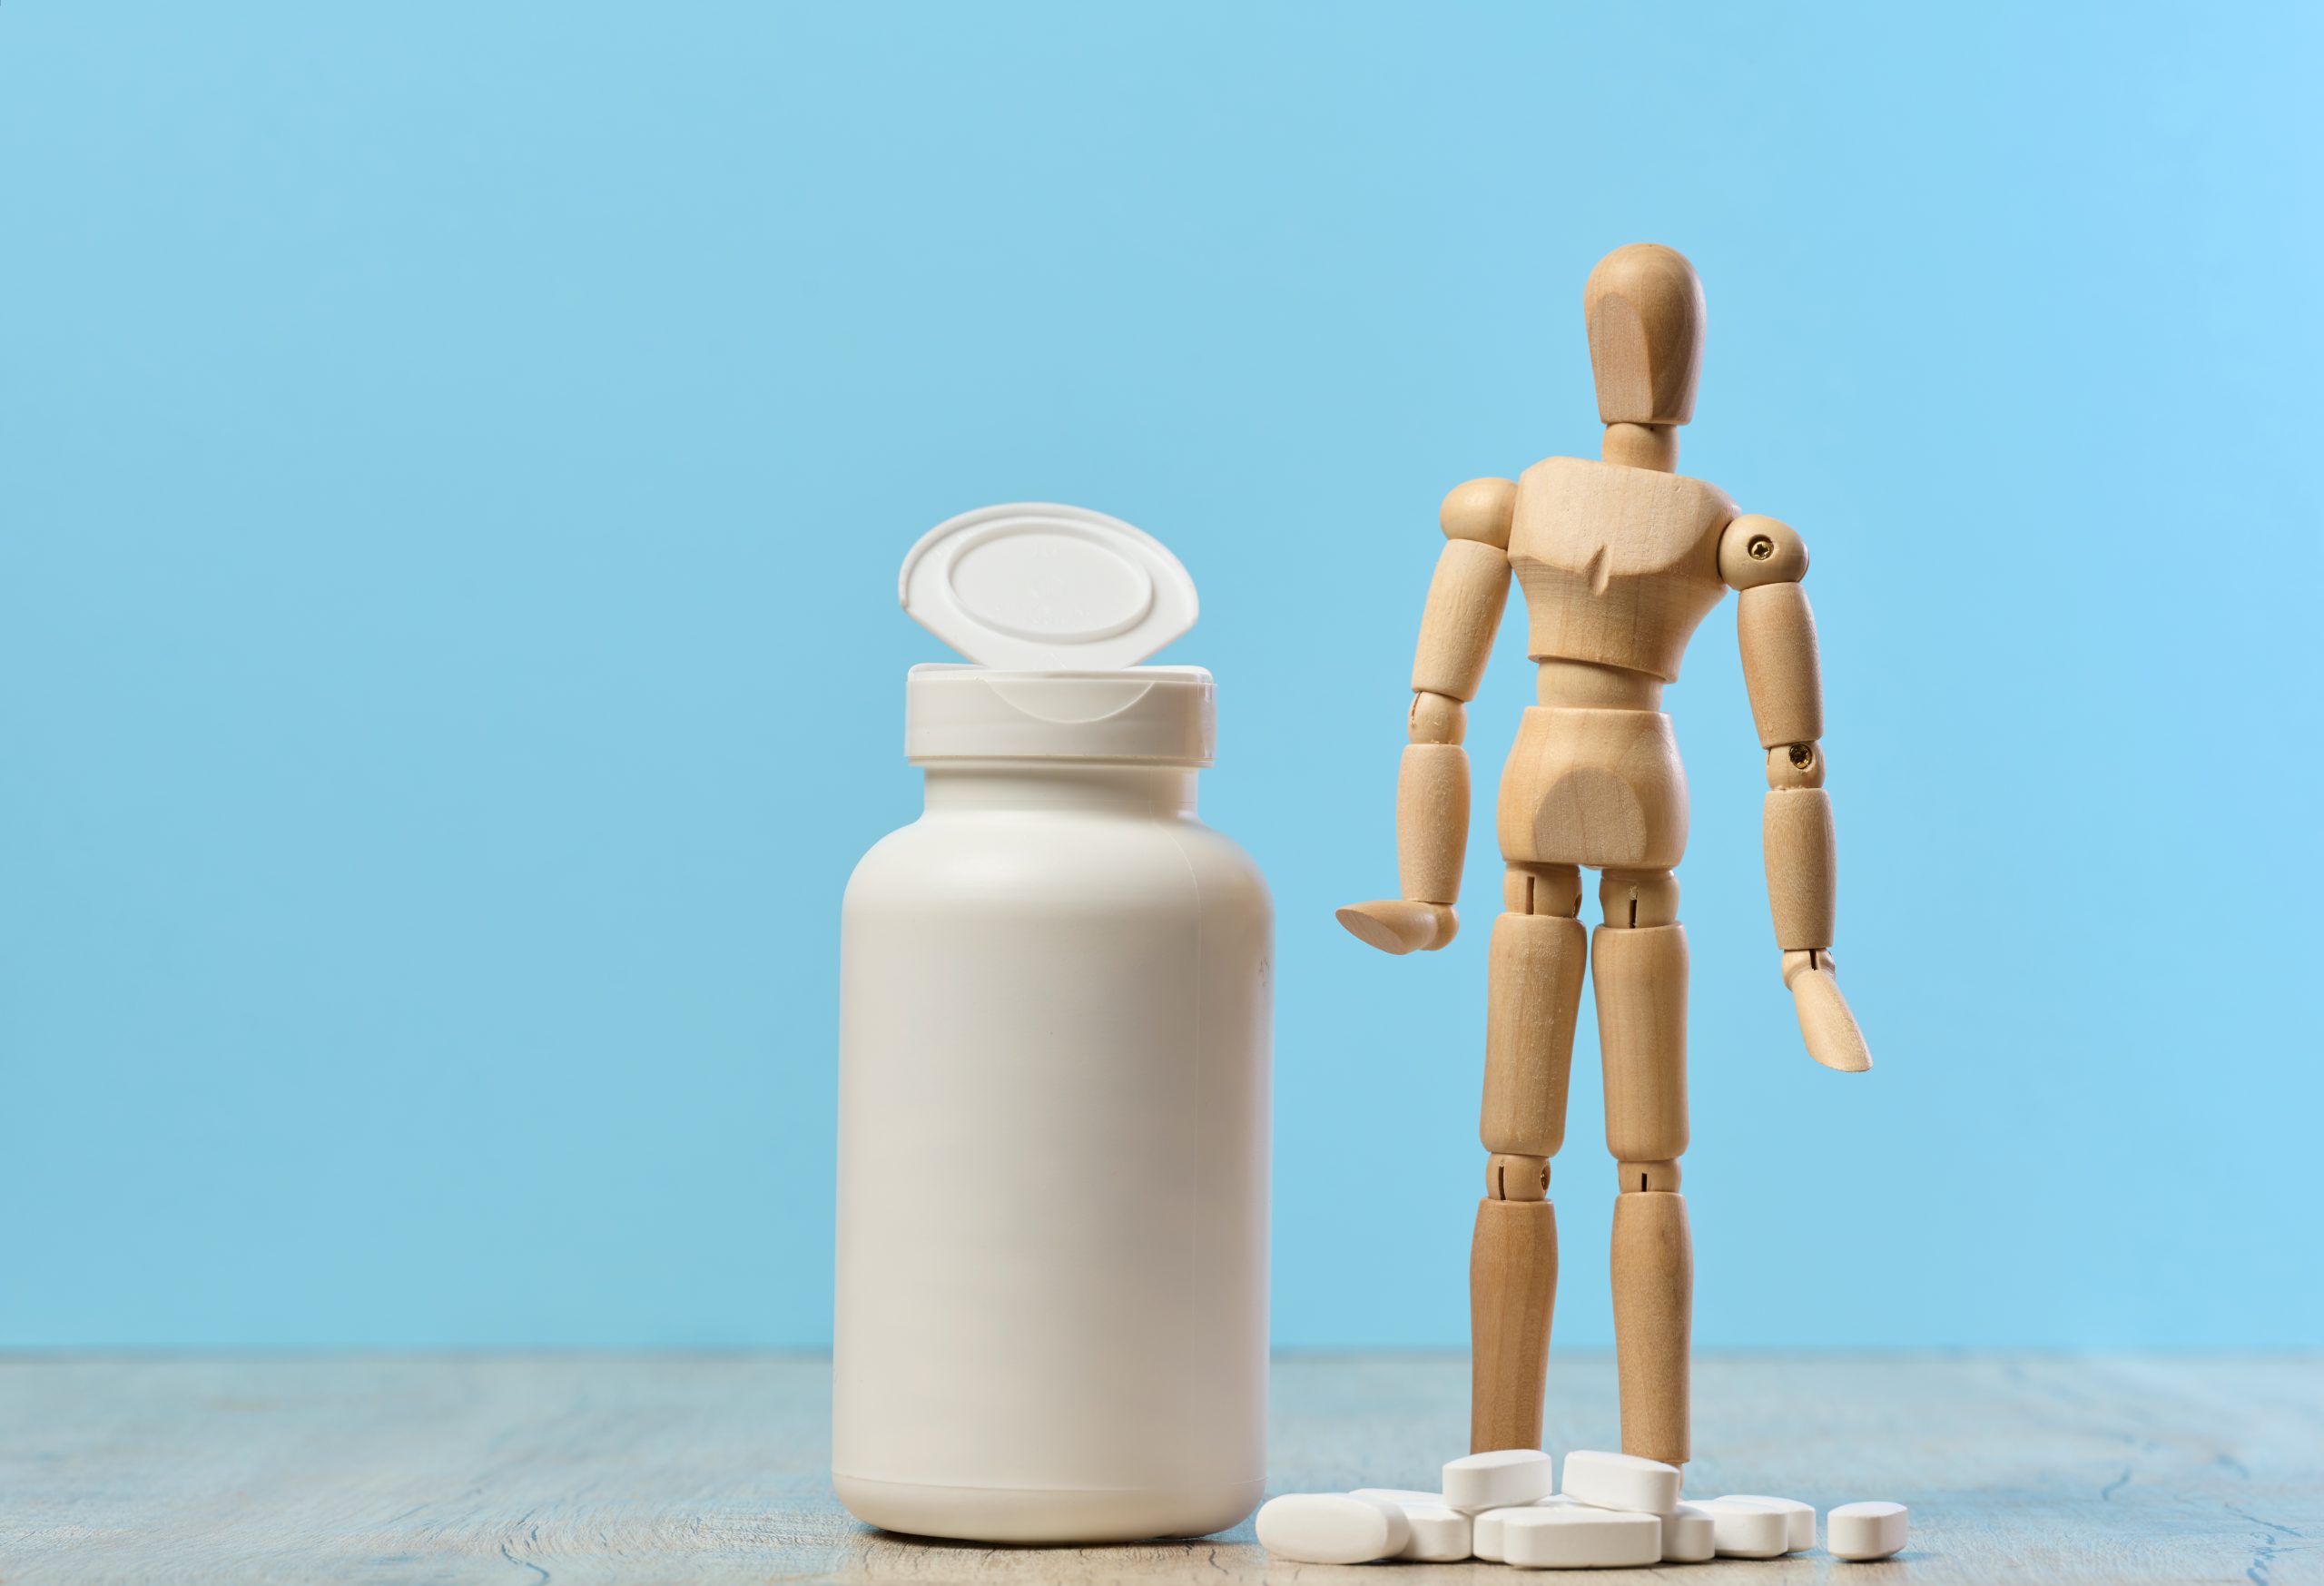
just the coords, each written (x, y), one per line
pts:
(712, 1469)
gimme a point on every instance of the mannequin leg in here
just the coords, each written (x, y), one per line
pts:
(1536, 960)
(1639, 965)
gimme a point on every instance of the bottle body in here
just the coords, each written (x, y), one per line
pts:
(1051, 1285)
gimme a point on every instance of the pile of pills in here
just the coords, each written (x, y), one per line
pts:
(1614, 1511)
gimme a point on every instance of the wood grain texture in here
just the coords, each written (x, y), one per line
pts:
(1512, 1295)
(1641, 1176)
(1463, 612)
(1803, 862)
(1795, 765)
(1436, 718)
(1653, 1269)
(1640, 978)
(1619, 564)
(1479, 509)
(1640, 446)
(1777, 629)
(1432, 822)
(1644, 307)
(1398, 926)
(1635, 898)
(1827, 1024)
(712, 1470)
(1542, 889)
(1602, 788)
(1534, 968)
(1754, 550)
(1511, 1176)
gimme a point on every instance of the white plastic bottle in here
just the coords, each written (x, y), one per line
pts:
(1055, 1004)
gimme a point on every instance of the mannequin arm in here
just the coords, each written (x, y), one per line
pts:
(1457, 632)
(1765, 560)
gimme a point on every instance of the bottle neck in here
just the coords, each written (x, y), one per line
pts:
(961, 785)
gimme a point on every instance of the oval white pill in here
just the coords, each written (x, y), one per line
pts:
(1484, 1529)
(1575, 1537)
(1484, 1534)
(1332, 1528)
(1743, 1528)
(1621, 1480)
(1865, 1531)
(1440, 1534)
(1497, 1480)
(1800, 1518)
(1689, 1536)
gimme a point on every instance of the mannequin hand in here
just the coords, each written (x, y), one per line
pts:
(1824, 1022)
(1397, 926)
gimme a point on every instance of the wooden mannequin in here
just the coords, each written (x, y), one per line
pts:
(1619, 560)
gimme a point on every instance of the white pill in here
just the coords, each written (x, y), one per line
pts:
(1621, 1480)
(1440, 1534)
(1800, 1518)
(1743, 1528)
(1484, 1531)
(1573, 1536)
(1477, 1481)
(1332, 1528)
(1865, 1531)
(1688, 1535)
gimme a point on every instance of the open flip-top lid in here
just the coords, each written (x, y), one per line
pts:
(1035, 586)
(1056, 606)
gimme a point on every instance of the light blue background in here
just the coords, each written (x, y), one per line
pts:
(454, 461)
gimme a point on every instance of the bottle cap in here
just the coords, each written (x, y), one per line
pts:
(1035, 586)
(1056, 605)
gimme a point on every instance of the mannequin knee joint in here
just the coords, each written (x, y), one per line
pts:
(1509, 1177)
(1642, 1177)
